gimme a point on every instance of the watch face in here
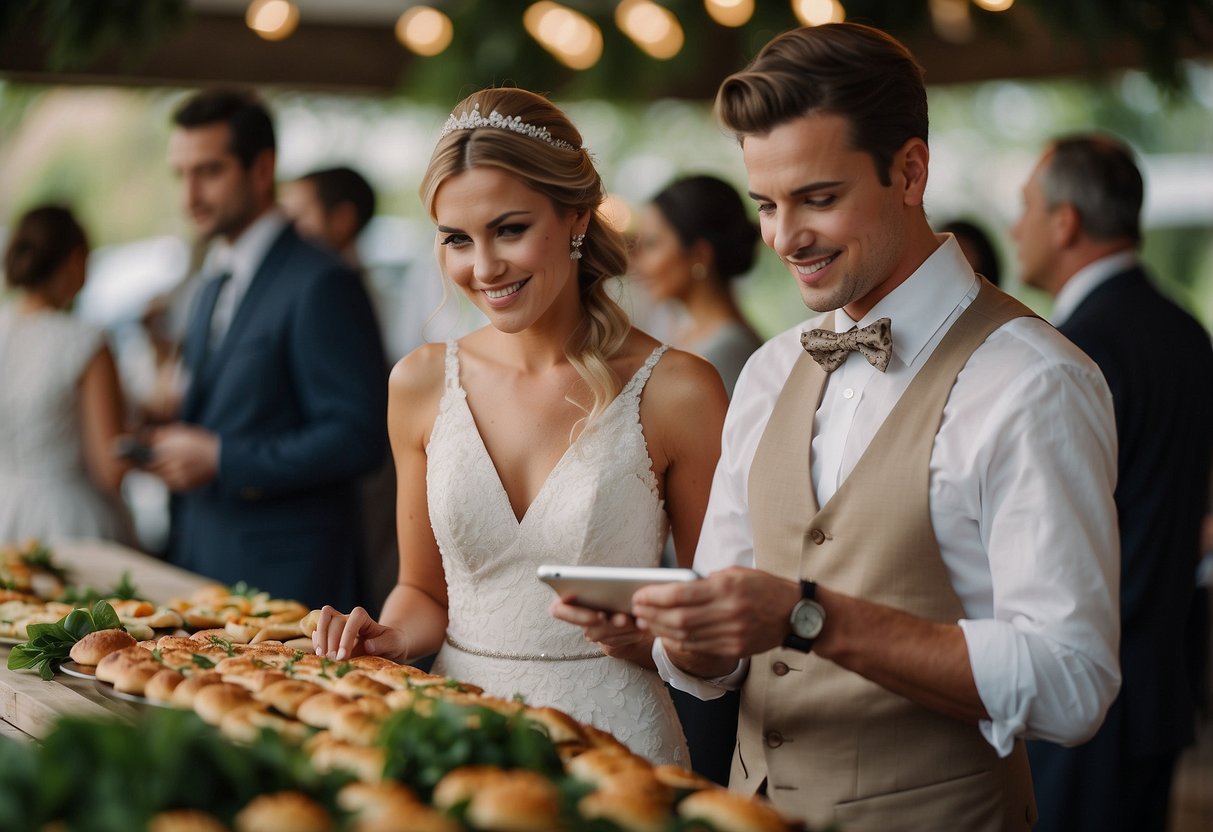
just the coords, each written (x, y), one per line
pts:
(807, 619)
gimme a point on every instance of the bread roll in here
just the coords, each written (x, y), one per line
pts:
(729, 812)
(94, 647)
(133, 679)
(458, 785)
(285, 695)
(629, 812)
(160, 687)
(185, 820)
(352, 724)
(363, 762)
(521, 801)
(677, 777)
(596, 765)
(358, 683)
(213, 701)
(318, 711)
(292, 811)
(560, 726)
(307, 625)
(183, 695)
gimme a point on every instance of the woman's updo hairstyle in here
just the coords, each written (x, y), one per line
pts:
(557, 166)
(40, 243)
(709, 209)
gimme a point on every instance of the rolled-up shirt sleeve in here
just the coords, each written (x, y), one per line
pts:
(1045, 658)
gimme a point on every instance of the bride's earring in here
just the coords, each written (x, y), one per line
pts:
(575, 251)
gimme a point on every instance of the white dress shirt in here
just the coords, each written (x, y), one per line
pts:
(241, 260)
(1085, 281)
(1021, 479)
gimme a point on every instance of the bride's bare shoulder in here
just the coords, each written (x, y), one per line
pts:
(420, 373)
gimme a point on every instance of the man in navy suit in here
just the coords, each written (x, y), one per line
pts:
(286, 399)
(1077, 240)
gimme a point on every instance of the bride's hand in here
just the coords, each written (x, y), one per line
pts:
(341, 637)
(616, 633)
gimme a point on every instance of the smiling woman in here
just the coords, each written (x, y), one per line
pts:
(529, 441)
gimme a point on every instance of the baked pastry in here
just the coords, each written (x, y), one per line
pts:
(726, 811)
(629, 812)
(96, 646)
(597, 764)
(183, 695)
(352, 724)
(160, 687)
(560, 726)
(109, 667)
(133, 678)
(282, 811)
(520, 801)
(213, 701)
(365, 763)
(677, 777)
(185, 820)
(285, 695)
(319, 710)
(458, 785)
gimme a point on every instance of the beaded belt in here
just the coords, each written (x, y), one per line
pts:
(523, 657)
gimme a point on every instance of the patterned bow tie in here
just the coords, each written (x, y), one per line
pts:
(829, 349)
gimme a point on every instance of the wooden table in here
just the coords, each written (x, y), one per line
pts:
(30, 706)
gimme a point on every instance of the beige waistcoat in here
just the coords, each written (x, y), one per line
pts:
(833, 746)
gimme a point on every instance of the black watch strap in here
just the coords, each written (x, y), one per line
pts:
(808, 592)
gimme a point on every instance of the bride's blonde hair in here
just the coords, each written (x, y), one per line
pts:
(559, 168)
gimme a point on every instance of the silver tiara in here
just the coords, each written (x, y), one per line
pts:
(471, 119)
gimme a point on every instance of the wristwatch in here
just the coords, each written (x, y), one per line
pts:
(807, 619)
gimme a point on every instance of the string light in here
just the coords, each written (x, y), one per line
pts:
(817, 12)
(425, 30)
(651, 27)
(730, 12)
(571, 37)
(272, 19)
(952, 20)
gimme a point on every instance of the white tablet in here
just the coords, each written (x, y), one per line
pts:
(607, 588)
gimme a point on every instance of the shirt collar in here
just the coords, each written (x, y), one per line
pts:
(242, 258)
(1084, 281)
(923, 302)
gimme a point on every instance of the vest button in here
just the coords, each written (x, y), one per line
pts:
(774, 739)
(779, 669)
(817, 536)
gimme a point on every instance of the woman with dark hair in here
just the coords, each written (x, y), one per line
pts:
(695, 238)
(59, 394)
(977, 247)
(556, 434)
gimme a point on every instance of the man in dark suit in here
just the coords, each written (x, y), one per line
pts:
(1077, 240)
(286, 400)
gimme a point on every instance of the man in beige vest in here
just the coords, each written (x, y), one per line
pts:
(910, 547)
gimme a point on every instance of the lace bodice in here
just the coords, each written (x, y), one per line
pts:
(599, 505)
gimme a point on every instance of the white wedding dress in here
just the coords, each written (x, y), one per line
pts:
(598, 506)
(45, 491)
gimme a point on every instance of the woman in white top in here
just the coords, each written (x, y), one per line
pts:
(530, 441)
(60, 399)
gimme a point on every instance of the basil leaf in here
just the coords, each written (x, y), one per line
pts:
(77, 623)
(105, 618)
(202, 661)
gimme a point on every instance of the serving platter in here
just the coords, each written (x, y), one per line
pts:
(80, 671)
(106, 689)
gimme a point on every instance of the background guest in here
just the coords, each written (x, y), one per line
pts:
(332, 207)
(284, 409)
(1077, 239)
(60, 396)
(977, 247)
(694, 239)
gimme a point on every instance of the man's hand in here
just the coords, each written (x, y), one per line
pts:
(184, 456)
(710, 624)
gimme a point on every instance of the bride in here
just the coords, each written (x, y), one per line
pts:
(558, 434)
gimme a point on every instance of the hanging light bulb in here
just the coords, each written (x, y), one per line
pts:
(571, 37)
(952, 20)
(651, 27)
(424, 30)
(817, 12)
(995, 5)
(272, 19)
(730, 12)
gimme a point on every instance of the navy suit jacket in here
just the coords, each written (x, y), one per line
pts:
(1158, 362)
(297, 393)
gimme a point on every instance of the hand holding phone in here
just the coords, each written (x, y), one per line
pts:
(607, 588)
(134, 450)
